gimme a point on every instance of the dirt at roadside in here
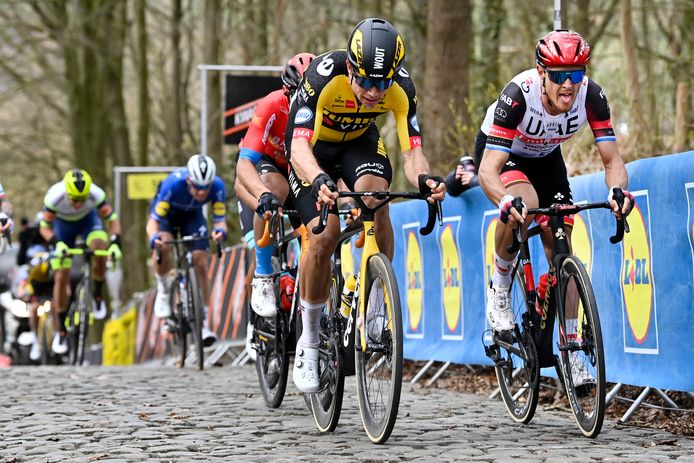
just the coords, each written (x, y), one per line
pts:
(483, 382)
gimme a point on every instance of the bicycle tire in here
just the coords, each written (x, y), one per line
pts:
(196, 314)
(383, 351)
(179, 302)
(326, 404)
(272, 357)
(587, 400)
(518, 376)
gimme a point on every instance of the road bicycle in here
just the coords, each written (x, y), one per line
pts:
(82, 304)
(371, 334)
(186, 299)
(274, 338)
(518, 355)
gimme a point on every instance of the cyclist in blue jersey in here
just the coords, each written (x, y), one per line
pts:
(178, 204)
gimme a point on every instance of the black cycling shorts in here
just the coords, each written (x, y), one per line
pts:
(546, 174)
(267, 166)
(349, 160)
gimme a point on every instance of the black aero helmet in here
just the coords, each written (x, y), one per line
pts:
(375, 49)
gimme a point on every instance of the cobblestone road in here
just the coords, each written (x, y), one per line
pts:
(159, 414)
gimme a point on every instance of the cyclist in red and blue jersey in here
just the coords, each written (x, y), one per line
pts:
(262, 170)
(178, 204)
(522, 135)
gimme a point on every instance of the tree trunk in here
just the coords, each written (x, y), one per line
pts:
(638, 143)
(211, 55)
(142, 83)
(490, 41)
(175, 129)
(682, 111)
(446, 79)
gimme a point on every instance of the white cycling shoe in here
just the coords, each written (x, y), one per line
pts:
(249, 348)
(35, 351)
(305, 372)
(579, 374)
(263, 296)
(208, 336)
(99, 310)
(59, 345)
(499, 313)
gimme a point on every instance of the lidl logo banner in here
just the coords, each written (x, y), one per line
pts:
(640, 321)
(689, 188)
(581, 242)
(414, 286)
(491, 218)
(451, 280)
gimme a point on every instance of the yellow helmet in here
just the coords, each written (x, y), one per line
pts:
(77, 184)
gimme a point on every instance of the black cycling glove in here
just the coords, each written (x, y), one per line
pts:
(267, 202)
(422, 180)
(320, 180)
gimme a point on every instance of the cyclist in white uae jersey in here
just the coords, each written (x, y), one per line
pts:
(537, 111)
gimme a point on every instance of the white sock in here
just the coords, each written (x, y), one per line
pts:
(161, 283)
(502, 272)
(310, 319)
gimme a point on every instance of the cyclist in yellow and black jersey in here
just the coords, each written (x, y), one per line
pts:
(331, 134)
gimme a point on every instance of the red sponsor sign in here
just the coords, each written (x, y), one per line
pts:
(350, 104)
(502, 132)
(415, 141)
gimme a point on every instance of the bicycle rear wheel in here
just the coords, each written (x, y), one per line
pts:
(79, 323)
(326, 404)
(516, 361)
(195, 315)
(272, 358)
(583, 359)
(379, 366)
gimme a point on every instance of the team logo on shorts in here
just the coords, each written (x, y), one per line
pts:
(303, 115)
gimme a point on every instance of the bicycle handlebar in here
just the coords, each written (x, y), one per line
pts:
(188, 239)
(434, 210)
(568, 209)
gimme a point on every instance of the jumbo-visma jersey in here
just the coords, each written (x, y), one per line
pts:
(325, 108)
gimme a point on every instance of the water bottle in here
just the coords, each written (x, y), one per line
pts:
(287, 282)
(348, 295)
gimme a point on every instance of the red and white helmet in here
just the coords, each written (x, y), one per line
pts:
(294, 70)
(562, 47)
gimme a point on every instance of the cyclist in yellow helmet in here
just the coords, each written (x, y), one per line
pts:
(76, 207)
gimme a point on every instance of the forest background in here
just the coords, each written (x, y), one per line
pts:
(103, 83)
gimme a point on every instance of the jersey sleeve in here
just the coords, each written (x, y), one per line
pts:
(218, 197)
(405, 111)
(306, 110)
(508, 113)
(263, 119)
(598, 113)
(162, 203)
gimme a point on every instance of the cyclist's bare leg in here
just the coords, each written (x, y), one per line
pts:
(200, 262)
(384, 228)
(98, 262)
(246, 198)
(60, 295)
(315, 262)
(278, 186)
(161, 268)
(571, 301)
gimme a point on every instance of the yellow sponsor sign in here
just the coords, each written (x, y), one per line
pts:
(144, 186)
(119, 340)
(218, 209)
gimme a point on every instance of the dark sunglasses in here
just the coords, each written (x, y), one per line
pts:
(366, 83)
(559, 77)
(200, 187)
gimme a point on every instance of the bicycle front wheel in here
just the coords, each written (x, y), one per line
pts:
(195, 315)
(272, 358)
(326, 404)
(179, 301)
(516, 360)
(580, 344)
(79, 323)
(379, 366)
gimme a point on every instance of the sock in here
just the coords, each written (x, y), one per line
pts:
(571, 328)
(263, 260)
(502, 272)
(310, 318)
(161, 283)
